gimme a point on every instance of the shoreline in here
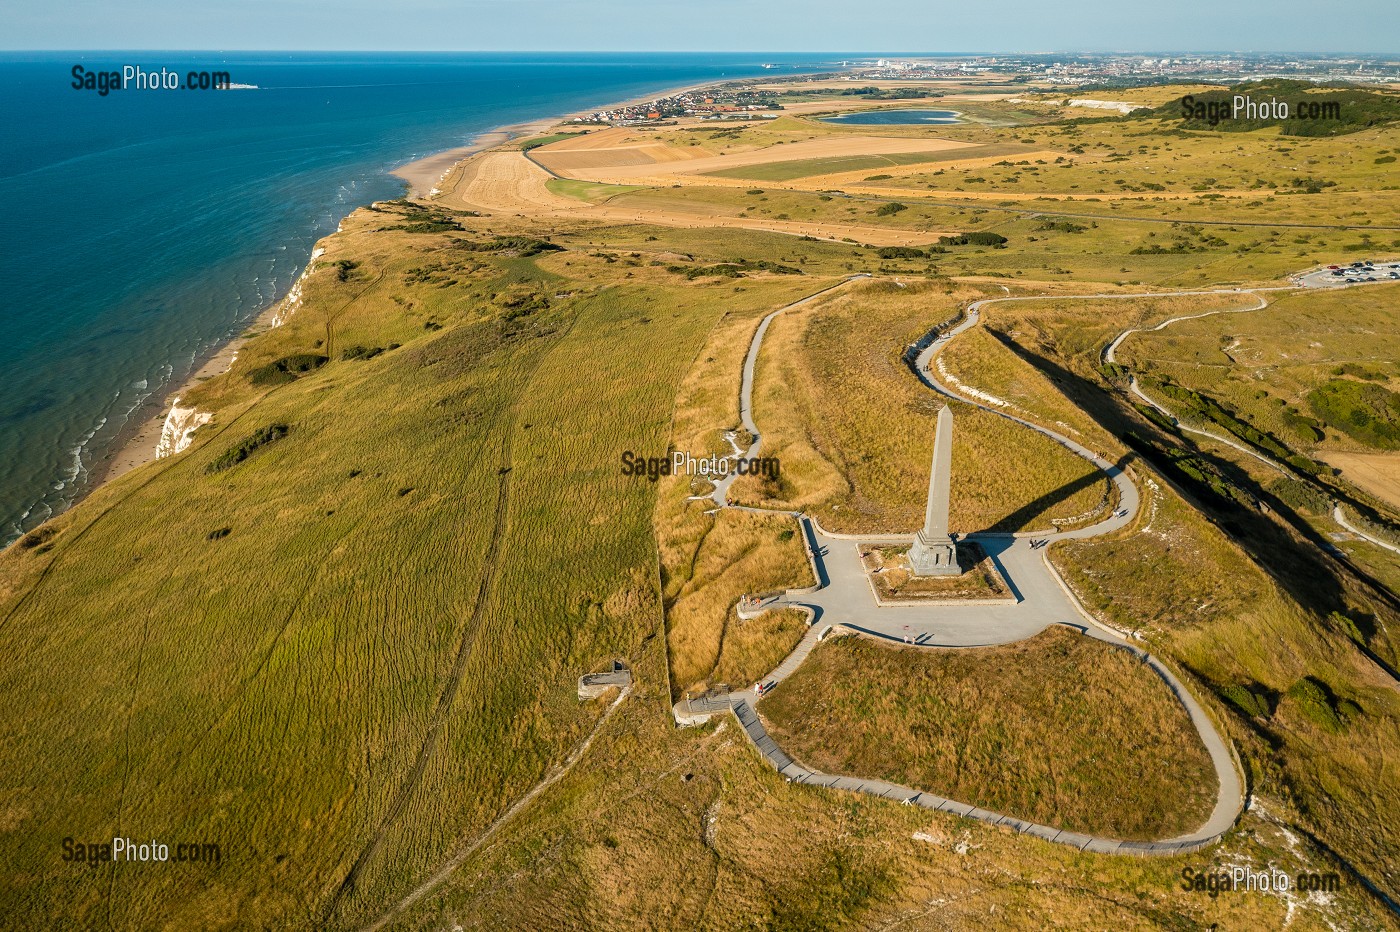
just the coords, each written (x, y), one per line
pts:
(135, 445)
(422, 175)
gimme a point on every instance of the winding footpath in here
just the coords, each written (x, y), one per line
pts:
(1110, 356)
(842, 601)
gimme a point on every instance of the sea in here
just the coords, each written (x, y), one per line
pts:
(142, 229)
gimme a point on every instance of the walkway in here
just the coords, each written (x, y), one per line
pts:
(843, 600)
(1110, 356)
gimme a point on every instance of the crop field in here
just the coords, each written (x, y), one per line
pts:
(854, 429)
(807, 168)
(1122, 760)
(1377, 473)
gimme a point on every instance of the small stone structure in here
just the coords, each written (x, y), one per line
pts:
(934, 553)
(593, 685)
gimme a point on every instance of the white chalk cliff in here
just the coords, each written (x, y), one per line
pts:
(178, 430)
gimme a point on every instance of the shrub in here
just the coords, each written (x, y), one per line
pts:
(1313, 700)
(1252, 704)
(247, 446)
(889, 210)
(1364, 411)
(361, 352)
(286, 369)
(520, 245)
(1299, 495)
(1348, 627)
(977, 238)
(38, 537)
(900, 252)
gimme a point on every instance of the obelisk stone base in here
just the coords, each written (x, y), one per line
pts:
(933, 556)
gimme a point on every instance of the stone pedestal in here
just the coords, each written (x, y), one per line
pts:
(933, 556)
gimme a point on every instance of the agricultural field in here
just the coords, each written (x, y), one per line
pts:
(1119, 761)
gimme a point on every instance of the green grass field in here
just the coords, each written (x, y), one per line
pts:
(808, 168)
(590, 191)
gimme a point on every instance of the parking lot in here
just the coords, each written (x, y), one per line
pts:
(1351, 273)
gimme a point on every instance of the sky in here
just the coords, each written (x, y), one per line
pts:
(958, 26)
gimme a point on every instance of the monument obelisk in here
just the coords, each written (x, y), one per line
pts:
(934, 553)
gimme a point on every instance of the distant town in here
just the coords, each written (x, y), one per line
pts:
(1132, 69)
(734, 101)
(760, 98)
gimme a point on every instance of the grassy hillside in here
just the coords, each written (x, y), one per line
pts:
(385, 609)
(1122, 759)
(854, 428)
(339, 636)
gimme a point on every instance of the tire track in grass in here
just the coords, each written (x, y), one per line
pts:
(457, 860)
(449, 692)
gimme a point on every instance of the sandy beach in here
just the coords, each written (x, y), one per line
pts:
(138, 447)
(424, 174)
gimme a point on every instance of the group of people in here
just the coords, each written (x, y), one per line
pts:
(1037, 543)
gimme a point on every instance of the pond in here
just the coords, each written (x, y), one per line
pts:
(895, 117)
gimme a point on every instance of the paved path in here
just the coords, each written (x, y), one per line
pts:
(1341, 518)
(844, 601)
(1109, 355)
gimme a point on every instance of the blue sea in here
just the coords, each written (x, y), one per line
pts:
(142, 229)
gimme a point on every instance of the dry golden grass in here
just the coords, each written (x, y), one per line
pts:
(739, 553)
(1377, 473)
(977, 358)
(1121, 759)
(854, 428)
